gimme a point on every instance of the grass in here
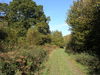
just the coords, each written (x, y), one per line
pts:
(60, 63)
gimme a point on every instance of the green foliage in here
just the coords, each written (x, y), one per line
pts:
(83, 18)
(43, 28)
(37, 38)
(57, 39)
(92, 62)
(84, 21)
(33, 36)
(23, 25)
(3, 8)
(67, 39)
(7, 39)
(23, 15)
(3, 34)
(23, 61)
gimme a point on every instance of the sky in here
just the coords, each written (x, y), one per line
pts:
(58, 11)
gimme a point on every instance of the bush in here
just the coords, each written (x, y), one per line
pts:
(25, 61)
(8, 39)
(92, 62)
(34, 37)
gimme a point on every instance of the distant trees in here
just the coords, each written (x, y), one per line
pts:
(57, 39)
(84, 21)
(67, 39)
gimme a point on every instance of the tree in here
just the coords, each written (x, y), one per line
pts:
(57, 38)
(43, 28)
(3, 9)
(24, 14)
(34, 37)
(84, 21)
(67, 39)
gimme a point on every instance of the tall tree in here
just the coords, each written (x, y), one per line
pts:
(84, 21)
(24, 14)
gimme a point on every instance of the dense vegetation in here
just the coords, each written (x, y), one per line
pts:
(24, 61)
(67, 39)
(24, 31)
(84, 21)
(24, 15)
(57, 39)
(23, 28)
(26, 40)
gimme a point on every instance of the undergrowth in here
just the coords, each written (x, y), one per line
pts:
(23, 61)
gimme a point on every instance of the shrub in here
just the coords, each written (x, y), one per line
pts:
(92, 62)
(8, 39)
(34, 37)
(24, 61)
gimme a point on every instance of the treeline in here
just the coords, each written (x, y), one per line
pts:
(57, 39)
(84, 20)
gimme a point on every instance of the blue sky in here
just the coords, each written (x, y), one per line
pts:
(57, 10)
